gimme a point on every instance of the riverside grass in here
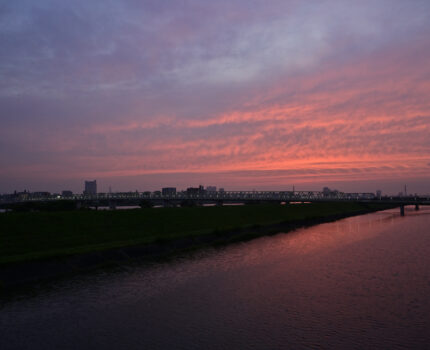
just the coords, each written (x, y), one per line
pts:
(30, 236)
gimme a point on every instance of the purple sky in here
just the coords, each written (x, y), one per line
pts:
(239, 94)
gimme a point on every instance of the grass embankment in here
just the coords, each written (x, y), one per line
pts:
(39, 235)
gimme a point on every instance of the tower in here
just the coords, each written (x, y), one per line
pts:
(90, 188)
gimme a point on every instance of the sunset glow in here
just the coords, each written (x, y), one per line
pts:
(238, 94)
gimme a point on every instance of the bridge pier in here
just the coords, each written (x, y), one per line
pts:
(402, 210)
(417, 207)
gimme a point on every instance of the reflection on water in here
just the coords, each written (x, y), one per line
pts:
(362, 282)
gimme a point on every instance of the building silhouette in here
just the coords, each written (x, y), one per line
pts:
(168, 191)
(66, 194)
(196, 190)
(90, 187)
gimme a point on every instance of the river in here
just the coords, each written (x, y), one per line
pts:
(361, 282)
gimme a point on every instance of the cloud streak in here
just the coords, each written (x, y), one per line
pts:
(291, 92)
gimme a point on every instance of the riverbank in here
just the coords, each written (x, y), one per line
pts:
(46, 245)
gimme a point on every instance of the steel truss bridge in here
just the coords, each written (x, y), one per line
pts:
(215, 197)
(236, 196)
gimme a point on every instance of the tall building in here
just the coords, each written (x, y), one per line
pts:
(90, 187)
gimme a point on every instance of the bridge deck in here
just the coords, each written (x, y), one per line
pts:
(226, 196)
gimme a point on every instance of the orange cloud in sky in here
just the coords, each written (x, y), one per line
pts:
(322, 127)
(308, 104)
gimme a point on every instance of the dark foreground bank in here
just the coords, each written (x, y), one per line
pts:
(46, 245)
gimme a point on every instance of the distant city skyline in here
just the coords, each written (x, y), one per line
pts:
(92, 187)
(235, 94)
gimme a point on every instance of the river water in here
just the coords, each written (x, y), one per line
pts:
(361, 282)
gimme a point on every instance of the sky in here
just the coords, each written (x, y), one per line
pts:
(241, 94)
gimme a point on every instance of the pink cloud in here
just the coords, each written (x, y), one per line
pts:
(338, 107)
